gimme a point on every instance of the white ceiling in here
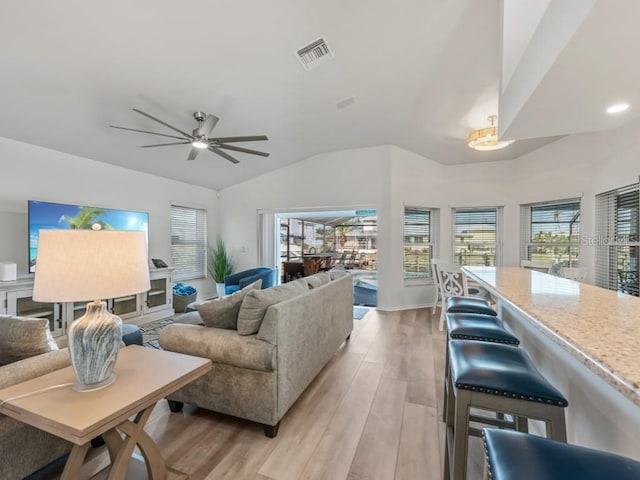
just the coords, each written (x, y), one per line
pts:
(424, 73)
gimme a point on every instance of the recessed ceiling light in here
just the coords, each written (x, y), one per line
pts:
(617, 108)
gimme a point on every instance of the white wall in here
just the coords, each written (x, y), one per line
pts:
(34, 173)
(387, 178)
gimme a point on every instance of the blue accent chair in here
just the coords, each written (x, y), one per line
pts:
(237, 281)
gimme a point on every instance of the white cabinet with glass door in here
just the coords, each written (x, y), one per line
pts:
(160, 295)
(21, 303)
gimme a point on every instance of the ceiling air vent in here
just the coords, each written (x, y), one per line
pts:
(314, 54)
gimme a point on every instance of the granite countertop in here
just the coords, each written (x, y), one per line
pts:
(599, 327)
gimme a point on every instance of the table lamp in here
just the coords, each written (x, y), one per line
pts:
(81, 265)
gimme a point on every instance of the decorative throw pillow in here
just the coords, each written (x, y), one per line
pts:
(223, 311)
(313, 282)
(324, 277)
(22, 337)
(335, 274)
(255, 304)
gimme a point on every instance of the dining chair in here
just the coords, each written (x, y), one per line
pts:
(574, 273)
(436, 282)
(453, 283)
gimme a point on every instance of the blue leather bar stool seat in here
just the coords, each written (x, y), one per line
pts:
(519, 456)
(131, 334)
(474, 326)
(470, 305)
(480, 327)
(496, 378)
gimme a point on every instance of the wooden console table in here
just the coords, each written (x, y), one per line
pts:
(143, 376)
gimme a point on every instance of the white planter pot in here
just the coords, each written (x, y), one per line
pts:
(220, 289)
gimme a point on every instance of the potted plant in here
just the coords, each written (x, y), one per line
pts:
(219, 264)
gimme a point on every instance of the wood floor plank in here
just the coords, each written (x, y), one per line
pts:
(308, 420)
(419, 447)
(422, 393)
(376, 454)
(334, 454)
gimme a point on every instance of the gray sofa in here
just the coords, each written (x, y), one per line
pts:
(25, 449)
(258, 377)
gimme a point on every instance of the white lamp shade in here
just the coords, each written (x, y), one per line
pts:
(79, 265)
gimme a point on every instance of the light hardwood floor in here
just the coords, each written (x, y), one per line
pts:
(374, 412)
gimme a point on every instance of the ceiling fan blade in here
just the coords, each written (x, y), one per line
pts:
(208, 125)
(223, 154)
(240, 149)
(254, 138)
(144, 131)
(161, 122)
(163, 144)
(193, 153)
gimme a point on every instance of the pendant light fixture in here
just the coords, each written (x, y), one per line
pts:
(486, 139)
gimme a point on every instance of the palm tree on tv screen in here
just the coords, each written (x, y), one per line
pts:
(87, 218)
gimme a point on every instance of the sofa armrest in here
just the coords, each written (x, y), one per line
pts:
(33, 367)
(220, 345)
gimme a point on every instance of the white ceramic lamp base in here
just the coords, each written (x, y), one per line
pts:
(94, 342)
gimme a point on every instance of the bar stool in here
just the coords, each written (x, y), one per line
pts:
(497, 378)
(519, 456)
(480, 327)
(470, 305)
(474, 326)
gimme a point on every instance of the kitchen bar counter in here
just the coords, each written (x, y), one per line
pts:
(586, 341)
(599, 327)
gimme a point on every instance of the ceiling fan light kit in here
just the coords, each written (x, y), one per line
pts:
(199, 138)
(486, 139)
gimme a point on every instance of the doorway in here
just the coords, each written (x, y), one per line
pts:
(309, 242)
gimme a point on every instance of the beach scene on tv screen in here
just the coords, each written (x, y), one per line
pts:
(58, 216)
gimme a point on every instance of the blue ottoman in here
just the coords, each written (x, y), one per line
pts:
(131, 334)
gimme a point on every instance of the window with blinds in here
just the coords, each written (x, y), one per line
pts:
(188, 242)
(476, 234)
(551, 232)
(418, 244)
(617, 239)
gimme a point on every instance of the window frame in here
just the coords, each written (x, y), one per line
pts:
(610, 242)
(527, 211)
(498, 229)
(194, 232)
(432, 244)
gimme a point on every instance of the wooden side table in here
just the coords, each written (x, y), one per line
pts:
(143, 376)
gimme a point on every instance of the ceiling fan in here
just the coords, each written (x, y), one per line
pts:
(200, 139)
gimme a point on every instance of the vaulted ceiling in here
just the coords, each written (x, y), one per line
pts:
(419, 74)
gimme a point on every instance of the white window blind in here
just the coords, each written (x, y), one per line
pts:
(551, 232)
(476, 234)
(188, 242)
(418, 244)
(617, 239)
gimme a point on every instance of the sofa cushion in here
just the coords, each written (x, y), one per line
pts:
(220, 345)
(256, 302)
(22, 338)
(223, 312)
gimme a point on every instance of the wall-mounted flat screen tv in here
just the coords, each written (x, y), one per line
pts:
(59, 216)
